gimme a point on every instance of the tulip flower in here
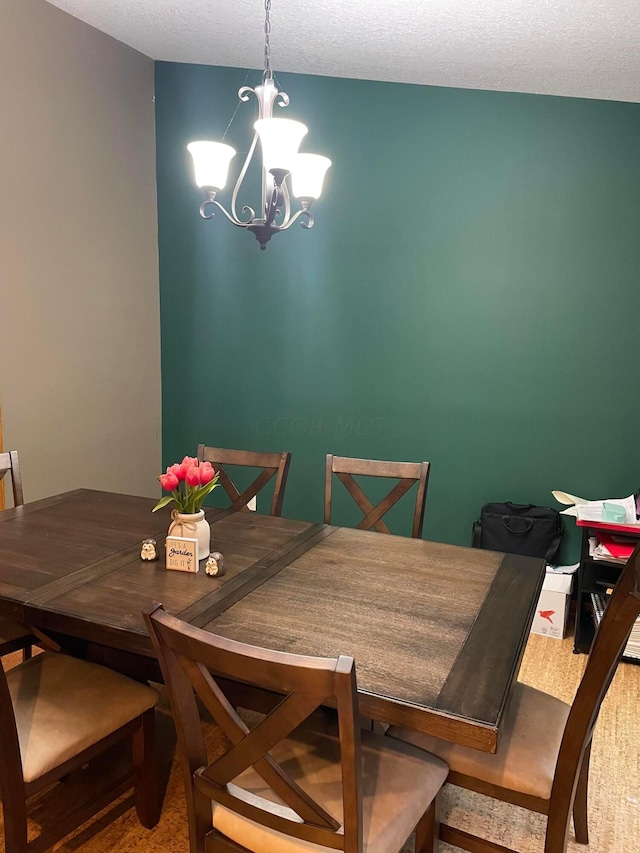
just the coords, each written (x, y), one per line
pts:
(168, 481)
(192, 476)
(206, 473)
(178, 470)
(189, 483)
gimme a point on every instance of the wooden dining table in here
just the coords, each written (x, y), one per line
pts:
(437, 631)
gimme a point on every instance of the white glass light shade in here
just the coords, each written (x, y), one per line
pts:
(307, 175)
(280, 138)
(211, 162)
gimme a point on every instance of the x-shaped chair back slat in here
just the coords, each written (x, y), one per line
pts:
(408, 473)
(272, 464)
(188, 656)
(251, 748)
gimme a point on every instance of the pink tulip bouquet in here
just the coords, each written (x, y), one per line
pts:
(189, 482)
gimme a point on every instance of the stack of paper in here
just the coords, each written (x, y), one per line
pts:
(563, 570)
(632, 650)
(593, 510)
(585, 510)
(633, 646)
(612, 550)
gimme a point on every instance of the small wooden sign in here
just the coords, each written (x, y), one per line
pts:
(182, 554)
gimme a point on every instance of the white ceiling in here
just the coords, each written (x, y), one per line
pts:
(584, 48)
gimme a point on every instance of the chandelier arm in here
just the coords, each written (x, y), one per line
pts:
(246, 208)
(233, 219)
(273, 207)
(236, 189)
(287, 205)
(304, 212)
(267, 95)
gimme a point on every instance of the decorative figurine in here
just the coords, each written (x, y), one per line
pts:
(215, 564)
(149, 551)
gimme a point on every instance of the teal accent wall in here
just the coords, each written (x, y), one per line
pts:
(469, 295)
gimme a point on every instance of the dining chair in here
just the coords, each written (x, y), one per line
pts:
(59, 713)
(408, 473)
(272, 464)
(13, 636)
(10, 464)
(285, 787)
(542, 760)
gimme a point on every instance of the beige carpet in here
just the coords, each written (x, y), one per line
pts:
(550, 665)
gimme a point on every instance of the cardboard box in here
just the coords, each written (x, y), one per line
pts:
(553, 606)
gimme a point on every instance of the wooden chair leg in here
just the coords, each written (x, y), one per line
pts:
(146, 771)
(202, 838)
(428, 830)
(558, 825)
(580, 805)
(15, 821)
(26, 653)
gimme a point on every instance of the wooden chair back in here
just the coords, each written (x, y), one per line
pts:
(10, 464)
(407, 473)
(187, 657)
(621, 612)
(272, 464)
(10, 639)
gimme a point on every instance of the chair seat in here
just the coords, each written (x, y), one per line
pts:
(399, 782)
(528, 745)
(64, 705)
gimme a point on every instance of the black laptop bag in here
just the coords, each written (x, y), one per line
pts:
(534, 531)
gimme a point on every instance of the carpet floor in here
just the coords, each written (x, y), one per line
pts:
(614, 799)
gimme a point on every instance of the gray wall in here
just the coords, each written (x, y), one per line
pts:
(79, 305)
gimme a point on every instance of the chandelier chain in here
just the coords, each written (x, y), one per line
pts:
(268, 74)
(224, 135)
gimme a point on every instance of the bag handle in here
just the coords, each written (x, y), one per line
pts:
(519, 507)
(525, 524)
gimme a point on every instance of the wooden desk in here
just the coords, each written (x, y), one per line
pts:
(437, 631)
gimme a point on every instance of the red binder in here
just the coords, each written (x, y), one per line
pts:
(612, 528)
(622, 550)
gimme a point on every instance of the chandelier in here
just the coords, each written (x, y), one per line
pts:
(280, 139)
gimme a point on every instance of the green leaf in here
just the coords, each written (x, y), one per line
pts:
(209, 488)
(200, 493)
(163, 502)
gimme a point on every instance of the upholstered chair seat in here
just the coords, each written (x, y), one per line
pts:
(397, 781)
(527, 749)
(63, 705)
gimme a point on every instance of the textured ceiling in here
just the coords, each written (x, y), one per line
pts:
(584, 48)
